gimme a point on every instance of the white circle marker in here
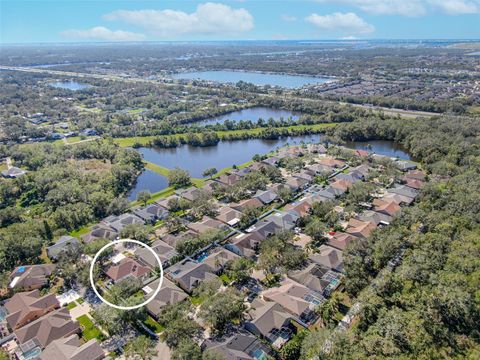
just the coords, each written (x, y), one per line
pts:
(92, 282)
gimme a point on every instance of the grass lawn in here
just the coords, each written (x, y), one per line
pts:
(89, 330)
(195, 300)
(83, 230)
(80, 301)
(153, 325)
(164, 172)
(226, 280)
(71, 305)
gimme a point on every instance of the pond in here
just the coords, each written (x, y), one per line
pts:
(381, 147)
(227, 153)
(148, 180)
(70, 85)
(252, 114)
(257, 78)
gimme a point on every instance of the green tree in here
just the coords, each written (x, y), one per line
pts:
(209, 172)
(140, 348)
(178, 178)
(187, 350)
(143, 197)
(224, 307)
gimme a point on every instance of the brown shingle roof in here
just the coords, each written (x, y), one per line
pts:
(28, 306)
(48, 328)
(127, 267)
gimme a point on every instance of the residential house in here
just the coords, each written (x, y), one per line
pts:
(188, 274)
(286, 220)
(304, 175)
(272, 160)
(169, 294)
(341, 240)
(63, 244)
(207, 224)
(164, 251)
(30, 277)
(13, 172)
(245, 244)
(390, 208)
(415, 175)
(362, 169)
(212, 186)
(72, 348)
(242, 205)
(229, 216)
(329, 257)
(317, 278)
(403, 190)
(341, 185)
(239, 346)
(118, 223)
(269, 320)
(25, 307)
(320, 170)
(352, 177)
(228, 179)
(295, 298)
(414, 183)
(265, 228)
(406, 165)
(165, 203)
(173, 240)
(128, 267)
(99, 231)
(191, 194)
(266, 196)
(376, 217)
(53, 326)
(295, 183)
(151, 213)
(399, 199)
(218, 259)
(301, 207)
(332, 162)
(360, 228)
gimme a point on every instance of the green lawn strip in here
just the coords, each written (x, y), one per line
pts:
(164, 172)
(89, 330)
(195, 300)
(226, 280)
(81, 231)
(153, 325)
(80, 301)
(72, 305)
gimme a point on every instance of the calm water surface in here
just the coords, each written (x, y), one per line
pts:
(227, 153)
(225, 76)
(253, 114)
(70, 85)
(150, 181)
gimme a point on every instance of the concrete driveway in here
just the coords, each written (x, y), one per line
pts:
(163, 351)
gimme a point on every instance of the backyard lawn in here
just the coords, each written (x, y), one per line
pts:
(89, 330)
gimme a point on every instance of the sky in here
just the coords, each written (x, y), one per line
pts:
(38, 21)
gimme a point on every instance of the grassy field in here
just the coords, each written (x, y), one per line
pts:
(144, 140)
(153, 325)
(89, 330)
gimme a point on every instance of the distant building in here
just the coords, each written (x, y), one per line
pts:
(13, 173)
